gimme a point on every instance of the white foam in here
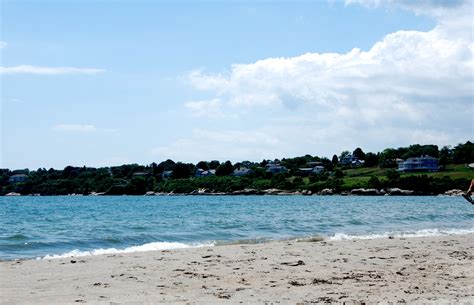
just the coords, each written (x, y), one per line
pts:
(155, 246)
(418, 233)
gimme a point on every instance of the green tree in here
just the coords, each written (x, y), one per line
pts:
(359, 153)
(225, 169)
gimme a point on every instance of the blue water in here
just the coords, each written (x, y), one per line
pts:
(32, 227)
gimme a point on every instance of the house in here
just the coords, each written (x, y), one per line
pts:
(167, 174)
(352, 161)
(239, 172)
(423, 163)
(275, 168)
(18, 178)
(306, 171)
(204, 173)
(318, 169)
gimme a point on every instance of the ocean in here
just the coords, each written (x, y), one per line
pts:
(63, 226)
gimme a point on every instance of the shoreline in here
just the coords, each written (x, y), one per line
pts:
(414, 269)
(273, 192)
(170, 246)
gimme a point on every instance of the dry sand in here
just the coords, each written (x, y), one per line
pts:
(412, 270)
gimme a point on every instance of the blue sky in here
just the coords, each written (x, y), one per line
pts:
(102, 83)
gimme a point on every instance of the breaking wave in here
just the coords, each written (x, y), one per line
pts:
(154, 246)
(406, 234)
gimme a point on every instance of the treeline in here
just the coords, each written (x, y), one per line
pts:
(178, 177)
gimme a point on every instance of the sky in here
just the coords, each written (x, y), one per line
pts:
(103, 83)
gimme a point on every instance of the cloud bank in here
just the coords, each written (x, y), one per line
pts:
(410, 87)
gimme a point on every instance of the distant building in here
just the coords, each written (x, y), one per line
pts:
(275, 168)
(242, 172)
(204, 173)
(352, 161)
(306, 171)
(423, 163)
(167, 174)
(18, 178)
(318, 169)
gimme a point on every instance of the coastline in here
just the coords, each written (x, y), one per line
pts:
(415, 270)
(275, 192)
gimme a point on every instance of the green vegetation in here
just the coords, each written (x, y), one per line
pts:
(377, 170)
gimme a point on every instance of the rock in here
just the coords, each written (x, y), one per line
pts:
(327, 192)
(271, 191)
(150, 193)
(13, 194)
(365, 192)
(246, 192)
(306, 193)
(96, 194)
(454, 192)
(398, 192)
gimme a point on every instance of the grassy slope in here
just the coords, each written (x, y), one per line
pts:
(358, 177)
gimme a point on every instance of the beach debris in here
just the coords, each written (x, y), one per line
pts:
(293, 264)
(222, 295)
(73, 261)
(296, 283)
(317, 281)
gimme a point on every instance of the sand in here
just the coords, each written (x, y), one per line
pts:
(412, 270)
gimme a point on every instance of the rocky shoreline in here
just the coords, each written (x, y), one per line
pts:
(278, 192)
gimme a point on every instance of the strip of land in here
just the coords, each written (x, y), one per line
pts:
(414, 270)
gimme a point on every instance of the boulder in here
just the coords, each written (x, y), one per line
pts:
(150, 193)
(454, 192)
(327, 192)
(399, 192)
(13, 194)
(365, 192)
(271, 191)
(246, 192)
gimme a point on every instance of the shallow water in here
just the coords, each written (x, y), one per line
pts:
(32, 227)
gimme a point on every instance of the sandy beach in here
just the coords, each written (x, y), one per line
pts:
(413, 270)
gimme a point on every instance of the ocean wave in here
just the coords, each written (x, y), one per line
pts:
(154, 246)
(405, 234)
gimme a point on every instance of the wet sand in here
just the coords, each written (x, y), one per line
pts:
(413, 270)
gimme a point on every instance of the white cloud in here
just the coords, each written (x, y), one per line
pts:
(3, 44)
(75, 127)
(409, 87)
(26, 69)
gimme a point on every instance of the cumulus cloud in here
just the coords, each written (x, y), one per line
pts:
(26, 69)
(409, 87)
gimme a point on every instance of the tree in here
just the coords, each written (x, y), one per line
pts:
(359, 153)
(225, 169)
(181, 171)
(344, 154)
(445, 156)
(374, 182)
(371, 159)
(203, 165)
(335, 160)
(393, 176)
(214, 164)
(464, 153)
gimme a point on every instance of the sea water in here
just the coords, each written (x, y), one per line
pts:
(48, 227)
